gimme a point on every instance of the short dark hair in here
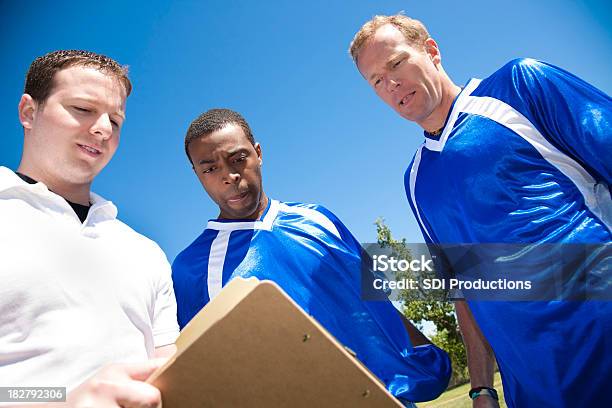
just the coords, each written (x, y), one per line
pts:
(212, 121)
(39, 79)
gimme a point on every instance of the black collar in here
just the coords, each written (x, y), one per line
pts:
(80, 209)
(25, 178)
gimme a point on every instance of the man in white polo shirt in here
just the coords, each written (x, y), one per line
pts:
(80, 289)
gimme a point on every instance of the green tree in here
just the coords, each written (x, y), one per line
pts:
(420, 306)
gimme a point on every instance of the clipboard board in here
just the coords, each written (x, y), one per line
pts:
(252, 345)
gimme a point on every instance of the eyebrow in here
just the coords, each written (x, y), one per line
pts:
(231, 153)
(94, 102)
(390, 61)
(375, 74)
(234, 152)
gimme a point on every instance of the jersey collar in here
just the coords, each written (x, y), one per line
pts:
(437, 144)
(265, 223)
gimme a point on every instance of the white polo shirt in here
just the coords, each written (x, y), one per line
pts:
(75, 296)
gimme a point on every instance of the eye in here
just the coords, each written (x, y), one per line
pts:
(80, 109)
(240, 158)
(115, 123)
(397, 63)
(377, 82)
(209, 170)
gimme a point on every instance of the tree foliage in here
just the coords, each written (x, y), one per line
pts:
(420, 306)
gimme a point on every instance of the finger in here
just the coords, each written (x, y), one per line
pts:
(137, 394)
(142, 371)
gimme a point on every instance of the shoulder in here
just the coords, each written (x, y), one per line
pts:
(136, 242)
(315, 213)
(521, 76)
(295, 205)
(521, 68)
(198, 249)
(523, 84)
(306, 209)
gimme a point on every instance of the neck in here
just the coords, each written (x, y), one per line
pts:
(263, 204)
(436, 120)
(75, 193)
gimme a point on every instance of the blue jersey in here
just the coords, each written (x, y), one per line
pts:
(526, 157)
(307, 251)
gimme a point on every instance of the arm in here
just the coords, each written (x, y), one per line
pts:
(481, 360)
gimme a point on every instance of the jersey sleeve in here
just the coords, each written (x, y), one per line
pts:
(429, 366)
(573, 114)
(434, 370)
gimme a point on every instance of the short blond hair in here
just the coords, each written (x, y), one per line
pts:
(414, 31)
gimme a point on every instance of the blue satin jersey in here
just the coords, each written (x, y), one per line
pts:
(526, 157)
(315, 259)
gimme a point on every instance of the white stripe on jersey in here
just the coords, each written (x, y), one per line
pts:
(438, 145)
(216, 259)
(218, 248)
(596, 199)
(413, 176)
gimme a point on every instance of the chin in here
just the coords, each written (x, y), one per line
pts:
(85, 171)
(77, 176)
(237, 213)
(415, 117)
(407, 116)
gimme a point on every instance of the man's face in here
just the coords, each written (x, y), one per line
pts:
(229, 168)
(74, 134)
(403, 76)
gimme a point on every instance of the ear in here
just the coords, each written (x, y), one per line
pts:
(257, 147)
(27, 111)
(432, 50)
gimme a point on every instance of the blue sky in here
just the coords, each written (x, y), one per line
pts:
(284, 65)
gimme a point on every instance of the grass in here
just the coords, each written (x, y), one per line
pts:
(458, 397)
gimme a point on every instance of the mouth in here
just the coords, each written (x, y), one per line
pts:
(237, 198)
(406, 99)
(89, 150)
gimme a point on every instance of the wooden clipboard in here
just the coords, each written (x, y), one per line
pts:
(252, 345)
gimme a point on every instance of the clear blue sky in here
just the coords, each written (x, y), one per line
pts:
(284, 65)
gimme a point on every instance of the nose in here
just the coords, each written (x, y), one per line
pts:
(391, 84)
(232, 176)
(102, 127)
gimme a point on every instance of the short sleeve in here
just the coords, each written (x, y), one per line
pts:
(165, 326)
